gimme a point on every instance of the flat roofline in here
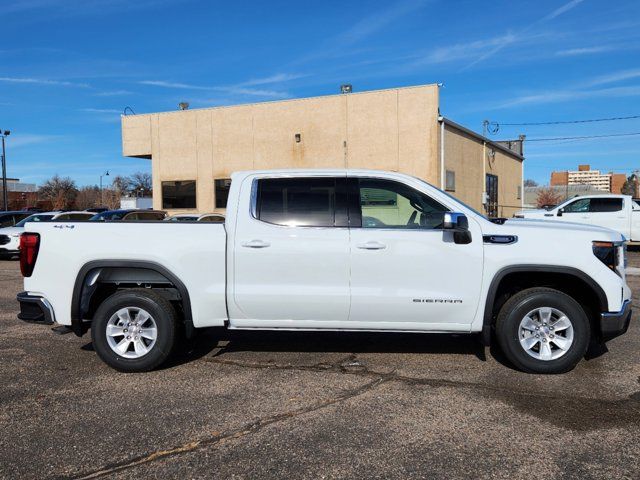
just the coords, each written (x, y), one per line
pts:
(476, 135)
(284, 100)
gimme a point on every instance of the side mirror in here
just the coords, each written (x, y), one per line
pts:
(459, 225)
(560, 212)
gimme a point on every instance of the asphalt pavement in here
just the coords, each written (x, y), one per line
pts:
(312, 405)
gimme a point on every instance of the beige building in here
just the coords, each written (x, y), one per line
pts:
(605, 182)
(194, 152)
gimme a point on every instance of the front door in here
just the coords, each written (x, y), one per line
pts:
(291, 255)
(406, 271)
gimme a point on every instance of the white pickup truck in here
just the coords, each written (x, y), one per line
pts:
(617, 212)
(317, 250)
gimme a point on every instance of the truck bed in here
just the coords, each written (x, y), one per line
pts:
(194, 253)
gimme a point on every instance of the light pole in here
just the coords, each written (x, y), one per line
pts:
(5, 197)
(105, 174)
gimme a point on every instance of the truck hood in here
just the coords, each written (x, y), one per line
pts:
(531, 225)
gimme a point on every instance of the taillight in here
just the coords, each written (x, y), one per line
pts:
(29, 245)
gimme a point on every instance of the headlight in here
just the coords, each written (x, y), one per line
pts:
(608, 253)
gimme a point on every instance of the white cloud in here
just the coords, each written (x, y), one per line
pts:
(277, 78)
(377, 21)
(100, 110)
(42, 81)
(568, 95)
(517, 37)
(239, 89)
(17, 140)
(113, 93)
(614, 77)
(570, 52)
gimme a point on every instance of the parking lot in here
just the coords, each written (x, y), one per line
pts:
(308, 405)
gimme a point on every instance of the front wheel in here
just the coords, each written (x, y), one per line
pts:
(134, 330)
(542, 330)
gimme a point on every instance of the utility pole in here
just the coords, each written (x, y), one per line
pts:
(5, 195)
(105, 174)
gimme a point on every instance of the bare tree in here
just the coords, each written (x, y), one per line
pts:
(548, 196)
(530, 183)
(630, 186)
(60, 191)
(121, 184)
(140, 183)
(88, 197)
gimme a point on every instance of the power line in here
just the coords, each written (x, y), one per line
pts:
(564, 122)
(549, 139)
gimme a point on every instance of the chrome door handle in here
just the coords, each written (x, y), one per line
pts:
(256, 244)
(372, 246)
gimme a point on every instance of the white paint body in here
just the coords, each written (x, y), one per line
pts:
(321, 278)
(625, 221)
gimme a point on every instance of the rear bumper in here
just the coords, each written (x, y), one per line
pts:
(35, 309)
(614, 324)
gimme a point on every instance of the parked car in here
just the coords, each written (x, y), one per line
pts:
(617, 212)
(97, 209)
(295, 254)
(195, 217)
(129, 215)
(9, 219)
(10, 236)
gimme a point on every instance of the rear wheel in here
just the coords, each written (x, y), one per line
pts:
(134, 330)
(542, 330)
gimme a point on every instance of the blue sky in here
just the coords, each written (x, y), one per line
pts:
(69, 68)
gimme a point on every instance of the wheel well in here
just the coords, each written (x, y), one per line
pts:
(96, 282)
(583, 290)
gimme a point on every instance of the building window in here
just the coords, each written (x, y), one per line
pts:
(301, 202)
(222, 186)
(179, 194)
(519, 195)
(450, 181)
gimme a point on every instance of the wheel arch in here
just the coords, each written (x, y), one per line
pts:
(131, 271)
(553, 273)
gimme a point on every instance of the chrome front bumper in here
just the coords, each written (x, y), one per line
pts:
(614, 324)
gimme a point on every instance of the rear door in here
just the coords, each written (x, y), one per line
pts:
(406, 271)
(291, 254)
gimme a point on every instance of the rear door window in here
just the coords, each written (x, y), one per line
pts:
(601, 205)
(301, 202)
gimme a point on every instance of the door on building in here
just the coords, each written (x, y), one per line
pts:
(492, 195)
(406, 271)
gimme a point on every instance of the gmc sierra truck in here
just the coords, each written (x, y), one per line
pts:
(347, 250)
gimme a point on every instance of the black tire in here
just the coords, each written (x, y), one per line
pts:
(508, 330)
(164, 316)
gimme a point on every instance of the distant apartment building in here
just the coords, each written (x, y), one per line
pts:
(606, 182)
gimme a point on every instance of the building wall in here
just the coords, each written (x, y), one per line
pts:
(394, 129)
(390, 130)
(464, 154)
(617, 182)
(559, 178)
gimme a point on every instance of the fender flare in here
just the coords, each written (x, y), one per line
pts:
(500, 274)
(77, 325)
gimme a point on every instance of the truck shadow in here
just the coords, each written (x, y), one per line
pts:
(220, 342)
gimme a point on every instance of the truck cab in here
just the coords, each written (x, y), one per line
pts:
(617, 212)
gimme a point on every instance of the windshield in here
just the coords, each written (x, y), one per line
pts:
(35, 218)
(104, 216)
(465, 205)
